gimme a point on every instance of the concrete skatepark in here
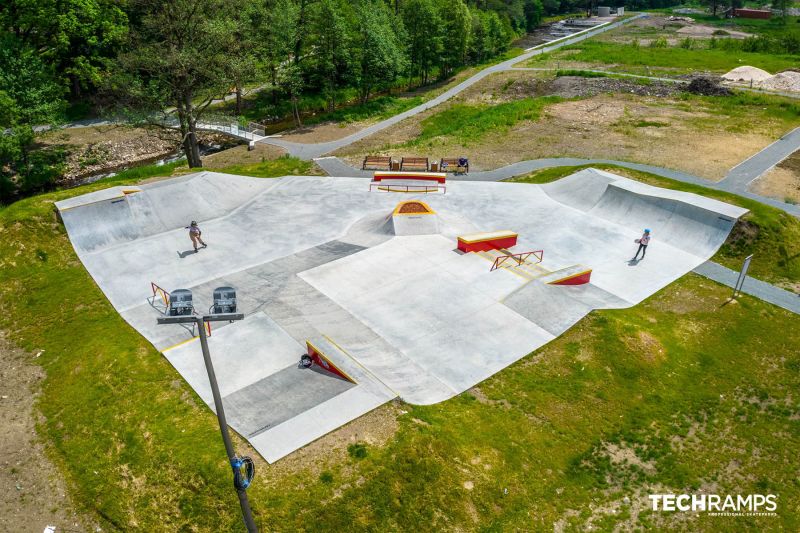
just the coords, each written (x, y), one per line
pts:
(392, 303)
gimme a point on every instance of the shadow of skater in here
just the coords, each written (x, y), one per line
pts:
(633, 262)
(185, 253)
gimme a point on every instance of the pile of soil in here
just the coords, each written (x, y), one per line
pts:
(783, 81)
(578, 86)
(747, 74)
(707, 86)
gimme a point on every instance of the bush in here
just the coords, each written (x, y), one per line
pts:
(661, 42)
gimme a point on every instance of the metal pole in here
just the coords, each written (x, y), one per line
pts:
(247, 514)
(737, 289)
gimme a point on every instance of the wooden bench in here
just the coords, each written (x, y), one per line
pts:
(414, 163)
(377, 162)
(450, 164)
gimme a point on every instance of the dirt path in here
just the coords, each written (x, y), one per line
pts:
(33, 493)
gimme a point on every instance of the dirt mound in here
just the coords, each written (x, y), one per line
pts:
(578, 86)
(747, 73)
(710, 31)
(783, 81)
(707, 86)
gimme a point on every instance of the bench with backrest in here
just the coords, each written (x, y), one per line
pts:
(419, 164)
(450, 164)
(377, 162)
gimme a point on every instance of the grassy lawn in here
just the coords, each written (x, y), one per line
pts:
(282, 166)
(675, 60)
(677, 394)
(468, 124)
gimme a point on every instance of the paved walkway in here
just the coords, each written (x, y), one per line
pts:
(753, 287)
(743, 174)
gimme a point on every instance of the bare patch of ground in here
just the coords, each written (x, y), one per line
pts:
(783, 181)
(655, 130)
(240, 155)
(375, 428)
(33, 493)
(707, 32)
(514, 85)
(323, 132)
(99, 149)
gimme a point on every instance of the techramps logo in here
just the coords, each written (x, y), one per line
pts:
(717, 505)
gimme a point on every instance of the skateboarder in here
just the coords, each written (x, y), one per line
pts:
(643, 242)
(194, 234)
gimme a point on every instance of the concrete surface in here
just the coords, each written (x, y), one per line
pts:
(742, 175)
(315, 257)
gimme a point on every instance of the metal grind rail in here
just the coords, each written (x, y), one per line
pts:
(519, 258)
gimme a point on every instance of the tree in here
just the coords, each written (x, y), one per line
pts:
(331, 58)
(456, 25)
(179, 55)
(29, 94)
(379, 50)
(534, 11)
(284, 34)
(423, 24)
(77, 37)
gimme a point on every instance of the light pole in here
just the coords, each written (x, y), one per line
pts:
(200, 321)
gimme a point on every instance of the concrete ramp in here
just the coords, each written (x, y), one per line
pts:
(693, 223)
(269, 398)
(123, 214)
(556, 308)
(581, 190)
(414, 217)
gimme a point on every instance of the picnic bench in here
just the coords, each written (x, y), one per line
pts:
(451, 164)
(377, 162)
(414, 163)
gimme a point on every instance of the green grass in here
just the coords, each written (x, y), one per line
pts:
(771, 27)
(468, 124)
(282, 166)
(693, 387)
(680, 59)
(771, 235)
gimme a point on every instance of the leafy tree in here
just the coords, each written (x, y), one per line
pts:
(379, 50)
(179, 55)
(332, 59)
(456, 28)
(284, 34)
(30, 83)
(423, 24)
(534, 11)
(78, 37)
(29, 94)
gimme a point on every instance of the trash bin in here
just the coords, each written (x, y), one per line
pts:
(434, 167)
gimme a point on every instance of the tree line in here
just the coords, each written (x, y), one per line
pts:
(156, 60)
